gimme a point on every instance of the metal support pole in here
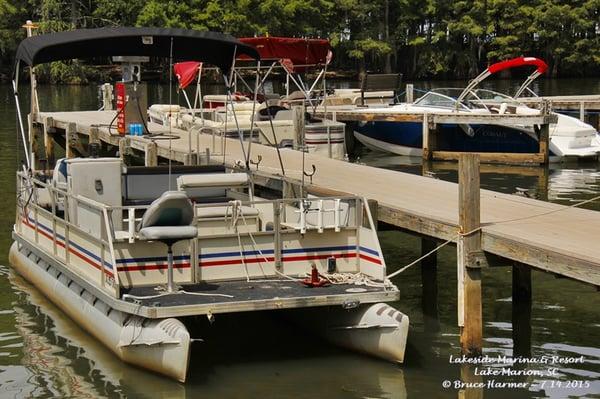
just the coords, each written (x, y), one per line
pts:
(277, 235)
(170, 284)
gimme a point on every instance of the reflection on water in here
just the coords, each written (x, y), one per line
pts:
(61, 360)
(43, 354)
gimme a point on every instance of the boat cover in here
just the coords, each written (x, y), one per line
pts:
(299, 51)
(213, 48)
(517, 62)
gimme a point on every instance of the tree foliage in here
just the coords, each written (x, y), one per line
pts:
(420, 38)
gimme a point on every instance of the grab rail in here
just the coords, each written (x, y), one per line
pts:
(23, 213)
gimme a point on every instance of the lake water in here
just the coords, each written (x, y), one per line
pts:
(44, 354)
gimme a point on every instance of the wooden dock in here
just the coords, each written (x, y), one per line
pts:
(588, 106)
(430, 122)
(547, 236)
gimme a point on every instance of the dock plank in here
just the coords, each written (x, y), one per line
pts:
(551, 237)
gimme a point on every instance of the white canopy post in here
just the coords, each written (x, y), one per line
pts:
(19, 116)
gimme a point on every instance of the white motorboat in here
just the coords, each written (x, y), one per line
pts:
(569, 137)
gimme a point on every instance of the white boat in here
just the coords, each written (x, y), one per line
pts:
(270, 127)
(135, 254)
(267, 119)
(569, 137)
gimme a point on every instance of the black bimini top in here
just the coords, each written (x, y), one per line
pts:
(213, 48)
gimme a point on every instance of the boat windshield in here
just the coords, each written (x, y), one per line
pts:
(475, 99)
(490, 96)
(443, 98)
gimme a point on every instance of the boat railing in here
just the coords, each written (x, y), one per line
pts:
(308, 214)
(48, 211)
(66, 225)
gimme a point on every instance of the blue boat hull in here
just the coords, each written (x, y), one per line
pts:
(451, 137)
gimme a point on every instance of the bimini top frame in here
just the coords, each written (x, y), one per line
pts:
(540, 65)
(294, 55)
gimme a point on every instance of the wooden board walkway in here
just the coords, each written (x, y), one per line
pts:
(587, 105)
(551, 237)
(590, 102)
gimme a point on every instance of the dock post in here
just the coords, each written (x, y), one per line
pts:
(429, 286)
(123, 145)
(545, 135)
(298, 118)
(544, 142)
(94, 136)
(107, 97)
(468, 256)
(410, 96)
(150, 154)
(426, 137)
(474, 383)
(70, 139)
(521, 309)
(582, 111)
(49, 141)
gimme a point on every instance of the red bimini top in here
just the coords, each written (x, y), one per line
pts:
(517, 62)
(299, 51)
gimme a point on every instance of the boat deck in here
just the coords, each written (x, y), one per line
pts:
(215, 297)
(231, 292)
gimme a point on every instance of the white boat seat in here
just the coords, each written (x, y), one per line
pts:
(166, 233)
(212, 180)
(224, 211)
(168, 219)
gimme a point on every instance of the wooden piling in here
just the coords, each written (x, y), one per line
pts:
(70, 140)
(474, 383)
(298, 119)
(469, 256)
(48, 140)
(521, 309)
(150, 154)
(427, 139)
(123, 147)
(545, 143)
(410, 93)
(94, 136)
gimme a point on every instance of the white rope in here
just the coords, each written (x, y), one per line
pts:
(142, 297)
(354, 279)
(397, 272)
(237, 206)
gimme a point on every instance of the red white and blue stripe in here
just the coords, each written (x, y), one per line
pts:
(229, 258)
(82, 253)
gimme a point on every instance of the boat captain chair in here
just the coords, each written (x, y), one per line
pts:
(168, 220)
